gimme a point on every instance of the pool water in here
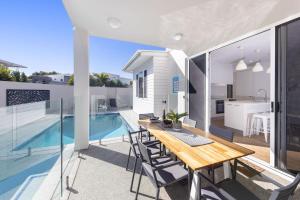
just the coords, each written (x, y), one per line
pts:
(101, 126)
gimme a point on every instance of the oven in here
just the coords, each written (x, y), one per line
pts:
(219, 106)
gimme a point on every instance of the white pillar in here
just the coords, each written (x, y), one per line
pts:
(81, 88)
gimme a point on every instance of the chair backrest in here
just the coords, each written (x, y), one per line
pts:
(222, 133)
(113, 103)
(101, 101)
(145, 152)
(132, 144)
(286, 192)
(146, 116)
(190, 122)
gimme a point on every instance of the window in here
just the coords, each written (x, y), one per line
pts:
(145, 84)
(175, 84)
(136, 85)
(141, 88)
(141, 84)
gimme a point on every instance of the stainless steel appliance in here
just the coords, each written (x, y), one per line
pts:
(219, 106)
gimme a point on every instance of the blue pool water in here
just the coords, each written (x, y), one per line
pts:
(101, 126)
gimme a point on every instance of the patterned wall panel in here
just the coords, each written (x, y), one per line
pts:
(19, 96)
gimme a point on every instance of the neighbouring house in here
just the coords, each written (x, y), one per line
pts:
(7, 64)
(60, 79)
(118, 77)
(158, 81)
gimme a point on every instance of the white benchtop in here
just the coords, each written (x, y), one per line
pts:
(247, 102)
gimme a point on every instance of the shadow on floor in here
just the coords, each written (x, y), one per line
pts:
(107, 155)
(177, 191)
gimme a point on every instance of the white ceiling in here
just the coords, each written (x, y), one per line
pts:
(204, 23)
(255, 48)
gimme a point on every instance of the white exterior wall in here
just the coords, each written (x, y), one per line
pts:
(144, 105)
(178, 68)
(123, 95)
(162, 70)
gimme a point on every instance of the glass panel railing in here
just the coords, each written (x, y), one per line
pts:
(29, 147)
(67, 158)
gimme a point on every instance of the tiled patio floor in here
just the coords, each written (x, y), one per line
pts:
(102, 175)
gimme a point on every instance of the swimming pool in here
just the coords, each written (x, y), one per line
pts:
(102, 126)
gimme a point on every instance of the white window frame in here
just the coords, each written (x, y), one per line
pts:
(141, 75)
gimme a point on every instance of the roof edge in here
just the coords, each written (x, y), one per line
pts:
(139, 53)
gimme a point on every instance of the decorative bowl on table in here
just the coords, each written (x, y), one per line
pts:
(177, 126)
(154, 119)
(167, 123)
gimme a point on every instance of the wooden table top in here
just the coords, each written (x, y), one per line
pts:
(200, 156)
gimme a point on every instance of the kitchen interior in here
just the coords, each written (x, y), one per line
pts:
(240, 92)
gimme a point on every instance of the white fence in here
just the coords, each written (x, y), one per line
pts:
(123, 96)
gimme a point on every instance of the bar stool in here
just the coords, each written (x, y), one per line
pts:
(260, 123)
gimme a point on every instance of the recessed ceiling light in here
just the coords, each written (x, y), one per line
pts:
(178, 36)
(114, 22)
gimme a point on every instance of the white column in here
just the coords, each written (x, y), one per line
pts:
(81, 88)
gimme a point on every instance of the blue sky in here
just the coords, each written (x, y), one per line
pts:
(38, 34)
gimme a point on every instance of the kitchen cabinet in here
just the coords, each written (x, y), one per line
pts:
(221, 74)
(233, 115)
(236, 113)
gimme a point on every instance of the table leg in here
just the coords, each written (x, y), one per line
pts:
(227, 170)
(195, 192)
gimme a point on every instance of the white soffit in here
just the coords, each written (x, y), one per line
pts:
(203, 23)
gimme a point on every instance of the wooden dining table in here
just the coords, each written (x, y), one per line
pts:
(198, 157)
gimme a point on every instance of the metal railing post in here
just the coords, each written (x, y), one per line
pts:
(61, 147)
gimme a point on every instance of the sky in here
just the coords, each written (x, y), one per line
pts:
(38, 34)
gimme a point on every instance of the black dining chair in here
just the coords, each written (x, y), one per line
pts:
(232, 189)
(154, 147)
(190, 122)
(160, 174)
(227, 135)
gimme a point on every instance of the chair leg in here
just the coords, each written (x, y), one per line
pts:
(157, 194)
(128, 159)
(133, 173)
(213, 175)
(138, 188)
(234, 169)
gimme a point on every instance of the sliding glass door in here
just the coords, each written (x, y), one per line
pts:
(287, 103)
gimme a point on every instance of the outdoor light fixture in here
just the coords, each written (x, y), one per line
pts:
(241, 64)
(258, 67)
(114, 22)
(178, 36)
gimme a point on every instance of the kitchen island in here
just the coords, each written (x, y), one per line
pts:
(236, 113)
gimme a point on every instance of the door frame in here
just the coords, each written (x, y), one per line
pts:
(280, 100)
(273, 137)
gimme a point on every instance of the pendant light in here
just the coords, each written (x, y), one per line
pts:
(241, 64)
(258, 67)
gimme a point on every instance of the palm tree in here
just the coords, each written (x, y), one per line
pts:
(103, 78)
